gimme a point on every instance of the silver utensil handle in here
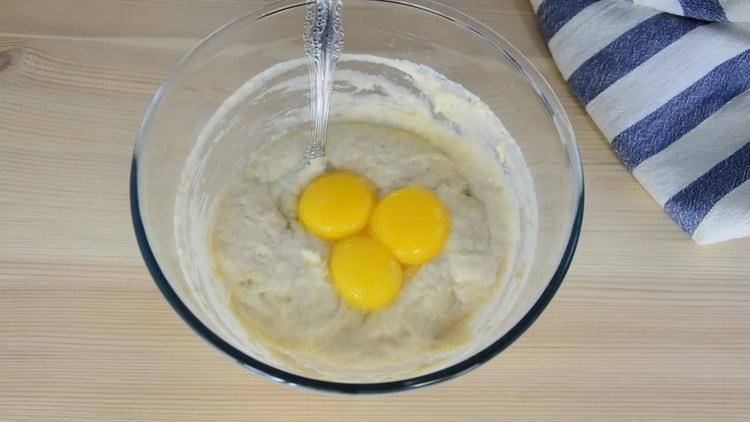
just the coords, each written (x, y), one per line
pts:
(324, 40)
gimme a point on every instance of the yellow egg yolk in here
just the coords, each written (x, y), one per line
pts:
(366, 274)
(336, 205)
(413, 223)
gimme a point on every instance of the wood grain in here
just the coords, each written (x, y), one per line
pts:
(647, 326)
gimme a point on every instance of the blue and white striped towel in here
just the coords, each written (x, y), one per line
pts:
(668, 83)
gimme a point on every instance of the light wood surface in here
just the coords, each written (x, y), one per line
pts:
(647, 325)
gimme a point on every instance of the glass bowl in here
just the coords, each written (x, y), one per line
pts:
(197, 132)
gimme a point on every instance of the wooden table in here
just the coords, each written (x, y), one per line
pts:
(647, 326)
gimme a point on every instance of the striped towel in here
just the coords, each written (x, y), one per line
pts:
(668, 83)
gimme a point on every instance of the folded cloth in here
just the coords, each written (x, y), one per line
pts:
(668, 83)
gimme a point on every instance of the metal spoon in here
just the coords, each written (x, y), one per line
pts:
(324, 39)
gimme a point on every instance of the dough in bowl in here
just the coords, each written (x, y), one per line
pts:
(275, 273)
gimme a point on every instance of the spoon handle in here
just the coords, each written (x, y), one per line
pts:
(324, 39)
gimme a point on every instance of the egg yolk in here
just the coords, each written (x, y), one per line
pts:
(336, 205)
(366, 274)
(413, 223)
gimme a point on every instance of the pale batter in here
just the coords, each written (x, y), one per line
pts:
(275, 273)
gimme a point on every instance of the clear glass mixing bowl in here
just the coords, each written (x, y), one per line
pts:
(421, 31)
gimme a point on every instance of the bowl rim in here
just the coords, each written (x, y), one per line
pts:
(565, 130)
